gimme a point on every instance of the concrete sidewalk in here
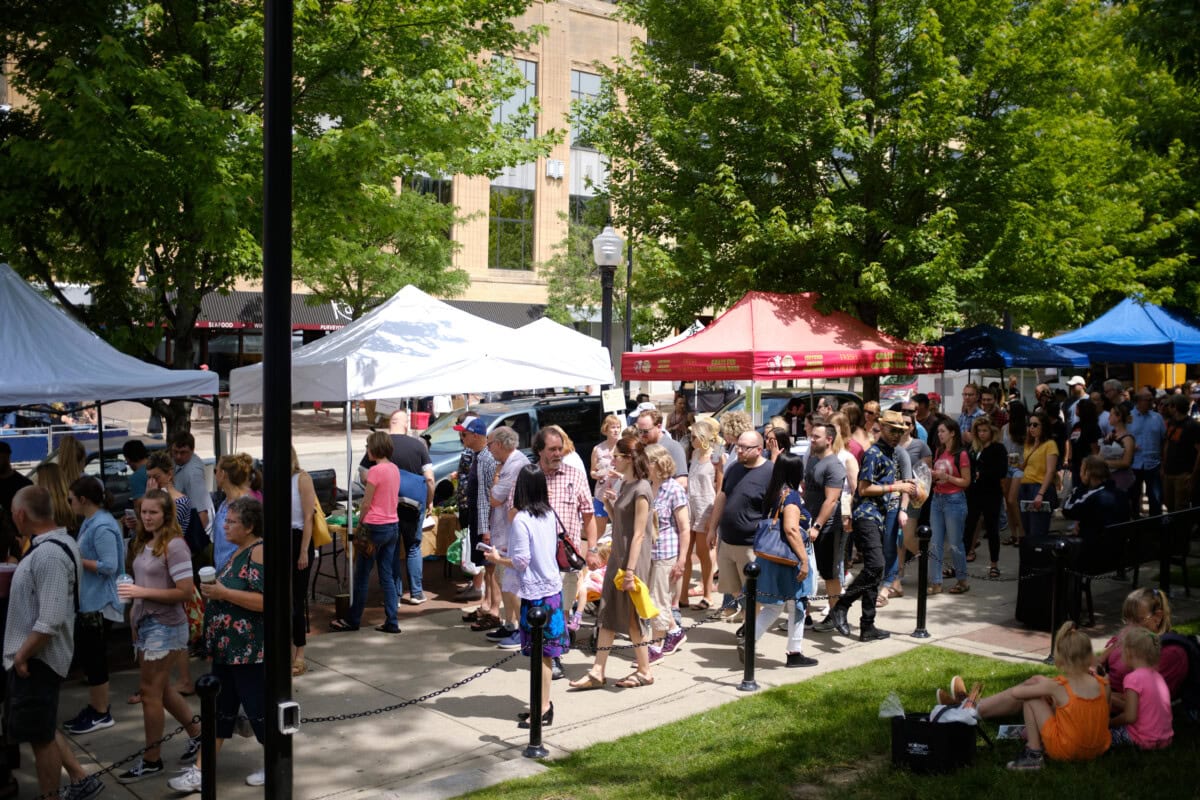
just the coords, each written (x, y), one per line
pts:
(467, 738)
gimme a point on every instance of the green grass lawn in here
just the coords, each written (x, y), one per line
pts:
(824, 738)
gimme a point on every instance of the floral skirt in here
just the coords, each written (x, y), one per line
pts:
(555, 639)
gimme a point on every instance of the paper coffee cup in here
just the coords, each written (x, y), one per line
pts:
(208, 575)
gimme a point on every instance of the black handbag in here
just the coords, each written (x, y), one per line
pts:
(567, 556)
(924, 745)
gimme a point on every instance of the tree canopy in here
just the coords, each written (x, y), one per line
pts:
(140, 147)
(919, 162)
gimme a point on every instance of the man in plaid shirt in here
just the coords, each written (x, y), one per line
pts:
(572, 503)
(668, 554)
(39, 641)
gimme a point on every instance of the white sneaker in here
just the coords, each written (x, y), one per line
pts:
(257, 778)
(187, 781)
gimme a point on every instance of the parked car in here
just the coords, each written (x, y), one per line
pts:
(896, 388)
(775, 400)
(579, 415)
(116, 471)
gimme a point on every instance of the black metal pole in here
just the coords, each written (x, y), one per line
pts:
(1164, 554)
(628, 303)
(100, 441)
(606, 306)
(924, 534)
(1057, 551)
(751, 571)
(537, 620)
(208, 687)
(277, 387)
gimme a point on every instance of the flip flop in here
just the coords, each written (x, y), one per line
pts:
(587, 682)
(635, 679)
(134, 698)
(341, 626)
(703, 605)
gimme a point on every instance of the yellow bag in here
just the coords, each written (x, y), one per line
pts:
(320, 528)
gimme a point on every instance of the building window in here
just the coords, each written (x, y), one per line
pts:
(510, 228)
(585, 88)
(439, 188)
(517, 102)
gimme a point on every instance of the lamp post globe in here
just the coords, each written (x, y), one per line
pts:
(607, 250)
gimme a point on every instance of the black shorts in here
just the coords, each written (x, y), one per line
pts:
(828, 547)
(31, 713)
(476, 556)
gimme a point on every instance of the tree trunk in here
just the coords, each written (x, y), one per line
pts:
(177, 412)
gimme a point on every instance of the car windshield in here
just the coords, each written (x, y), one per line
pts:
(441, 434)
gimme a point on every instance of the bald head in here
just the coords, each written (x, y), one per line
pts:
(398, 422)
(32, 511)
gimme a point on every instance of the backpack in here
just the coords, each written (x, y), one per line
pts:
(1189, 696)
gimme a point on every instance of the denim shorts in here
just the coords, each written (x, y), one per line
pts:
(156, 641)
(598, 509)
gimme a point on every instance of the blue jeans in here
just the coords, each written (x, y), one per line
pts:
(947, 518)
(409, 550)
(1151, 480)
(384, 537)
(893, 536)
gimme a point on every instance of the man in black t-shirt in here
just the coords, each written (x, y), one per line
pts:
(739, 506)
(409, 454)
(1181, 455)
(824, 477)
(11, 481)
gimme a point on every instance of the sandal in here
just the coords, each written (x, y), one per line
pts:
(1009, 542)
(695, 591)
(934, 588)
(341, 626)
(589, 681)
(635, 679)
(971, 556)
(299, 667)
(134, 698)
(703, 605)
(947, 572)
(993, 572)
(895, 592)
(962, 587)
(881, 600)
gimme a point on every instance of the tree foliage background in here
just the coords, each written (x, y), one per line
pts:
(141, 147)
(921, 163)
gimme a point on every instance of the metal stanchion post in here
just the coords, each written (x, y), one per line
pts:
(1164, 555)
(1057, 601)
(208, 687)
(924, 534)
(537, 621)
(751, 571)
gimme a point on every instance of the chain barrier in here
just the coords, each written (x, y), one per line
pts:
(122, 762)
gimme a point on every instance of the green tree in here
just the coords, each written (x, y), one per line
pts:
(920, 163)
(140, 148)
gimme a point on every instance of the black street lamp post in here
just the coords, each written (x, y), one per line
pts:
(606, 250)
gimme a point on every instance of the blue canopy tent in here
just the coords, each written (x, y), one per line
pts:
(988, 347)
(1134, 331)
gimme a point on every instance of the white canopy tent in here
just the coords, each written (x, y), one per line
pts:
(49, 356)
(414, 345)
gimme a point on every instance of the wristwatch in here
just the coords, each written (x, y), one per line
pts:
(593, 551)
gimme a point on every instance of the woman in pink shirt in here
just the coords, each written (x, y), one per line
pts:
(381, 525)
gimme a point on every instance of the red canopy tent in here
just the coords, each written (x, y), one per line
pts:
(767, 337)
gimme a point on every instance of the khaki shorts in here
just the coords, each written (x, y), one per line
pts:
(662, 592)
(731, 560)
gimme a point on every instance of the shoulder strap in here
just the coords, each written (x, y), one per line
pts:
(75, 568)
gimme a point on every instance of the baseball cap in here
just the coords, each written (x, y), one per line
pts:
(476, 425)
(1076, 380)
(934, 397)
(462, 426)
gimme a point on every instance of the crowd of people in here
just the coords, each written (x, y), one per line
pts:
(658, 494)
(184, 571)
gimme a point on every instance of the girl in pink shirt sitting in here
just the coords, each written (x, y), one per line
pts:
(1145, 721)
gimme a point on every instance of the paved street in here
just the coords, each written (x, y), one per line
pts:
(468, 737)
